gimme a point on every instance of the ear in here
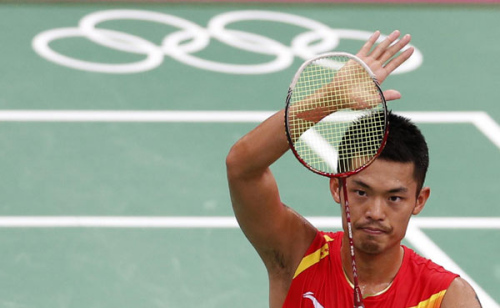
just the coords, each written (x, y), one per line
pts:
(422, 197)
(335, 189)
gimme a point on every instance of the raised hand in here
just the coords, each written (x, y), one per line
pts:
(353, 87)
(381, 59)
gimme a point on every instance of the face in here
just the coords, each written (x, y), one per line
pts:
(382, 198)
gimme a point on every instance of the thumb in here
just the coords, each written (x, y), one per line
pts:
(391, 95)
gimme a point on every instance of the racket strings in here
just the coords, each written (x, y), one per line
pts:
(361, 141)
(336, 119)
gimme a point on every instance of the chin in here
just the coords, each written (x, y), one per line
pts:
(370, 247)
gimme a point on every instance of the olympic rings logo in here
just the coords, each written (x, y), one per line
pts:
(191, 38)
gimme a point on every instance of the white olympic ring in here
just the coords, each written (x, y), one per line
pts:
(192, 38)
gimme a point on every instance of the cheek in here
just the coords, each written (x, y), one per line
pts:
(400, 223)
(357, 211)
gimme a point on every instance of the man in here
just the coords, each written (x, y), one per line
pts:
(309, 268)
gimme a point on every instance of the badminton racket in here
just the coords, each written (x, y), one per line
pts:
(336, 123)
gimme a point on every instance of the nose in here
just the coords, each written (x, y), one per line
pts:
(375, 210)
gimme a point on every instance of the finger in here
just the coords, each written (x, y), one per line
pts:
(369, 44)
(395, 48)
(397, 61)
(391, 95)
(381, 48)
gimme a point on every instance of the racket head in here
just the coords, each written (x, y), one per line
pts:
(336, 116)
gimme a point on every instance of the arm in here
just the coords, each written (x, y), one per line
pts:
(279, 234)
(274, 230)
(460, 294)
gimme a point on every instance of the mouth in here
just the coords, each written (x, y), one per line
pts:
(373, 231)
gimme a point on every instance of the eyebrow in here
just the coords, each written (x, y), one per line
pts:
(400, 189)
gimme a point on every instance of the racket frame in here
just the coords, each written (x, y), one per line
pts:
(287, 111)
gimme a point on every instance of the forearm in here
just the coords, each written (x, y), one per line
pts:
(260, 148)
(253, 189)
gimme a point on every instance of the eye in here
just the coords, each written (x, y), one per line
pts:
(395, 198)
(360, 193)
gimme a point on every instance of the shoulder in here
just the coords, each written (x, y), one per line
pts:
(426, 267)
(323, 245)
(460, 294)
(323, 238)
(330, 239)
(429, 276)
(327, 236)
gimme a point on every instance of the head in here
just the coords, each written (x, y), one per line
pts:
(384, 195)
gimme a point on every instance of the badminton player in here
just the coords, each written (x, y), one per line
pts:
(311, 268)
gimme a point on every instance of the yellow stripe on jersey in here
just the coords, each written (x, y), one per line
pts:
(432, 302)
(314, 257)
(327, 238)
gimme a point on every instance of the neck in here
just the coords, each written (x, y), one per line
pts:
(375, 271)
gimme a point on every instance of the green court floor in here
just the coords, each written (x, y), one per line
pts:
(99, 121)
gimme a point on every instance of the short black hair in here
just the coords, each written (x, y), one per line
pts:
(405, 144)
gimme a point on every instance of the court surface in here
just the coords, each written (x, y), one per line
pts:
(113, 190)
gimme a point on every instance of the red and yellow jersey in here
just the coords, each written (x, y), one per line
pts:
(320, 282)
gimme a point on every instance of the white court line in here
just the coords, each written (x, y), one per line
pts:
(218, 222)
(480, 119)
(132, 116)
(116, 222)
